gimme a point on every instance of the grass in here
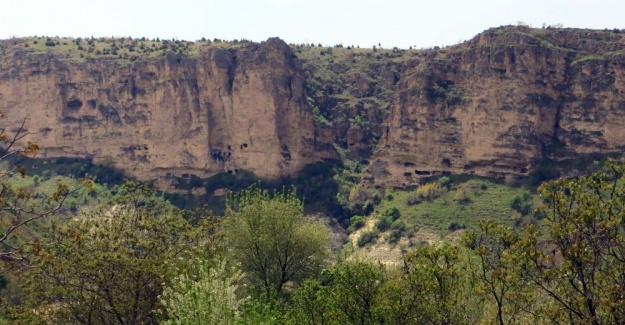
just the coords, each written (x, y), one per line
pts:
(468, 201)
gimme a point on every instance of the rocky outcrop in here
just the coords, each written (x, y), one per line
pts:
(503, 102)
(226, 110)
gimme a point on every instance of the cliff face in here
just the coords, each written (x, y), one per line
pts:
(224, 111)
(502, 102)
(496, 105)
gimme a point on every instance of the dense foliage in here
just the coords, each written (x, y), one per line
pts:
(109, 265)
(268, 236)
(137, 260)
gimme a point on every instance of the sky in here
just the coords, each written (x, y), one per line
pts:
(401, 23)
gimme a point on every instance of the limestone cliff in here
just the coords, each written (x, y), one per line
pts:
(504, 101)
(225, 110)
(497, 105)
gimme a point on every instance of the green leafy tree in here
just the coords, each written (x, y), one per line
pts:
(311, 304)
(349, 293)
(580, 264)
(432, 287)
(435, 287)
(499, 271)
(109, 266)
(268, 236)
(356, 291)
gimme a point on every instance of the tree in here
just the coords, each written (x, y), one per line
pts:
(109, 265)
(203, 295)
(268, 236)
(435, 287)
(499, 270)
(580, 264)
(16, 204)
(349, 293)
(430, 288)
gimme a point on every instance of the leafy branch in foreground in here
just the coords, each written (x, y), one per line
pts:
(17, 206)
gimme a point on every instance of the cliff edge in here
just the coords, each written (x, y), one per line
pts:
(225, 110)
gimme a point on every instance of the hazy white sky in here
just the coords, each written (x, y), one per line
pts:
(401, 23)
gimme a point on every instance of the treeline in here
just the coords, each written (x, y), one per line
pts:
(139, 260)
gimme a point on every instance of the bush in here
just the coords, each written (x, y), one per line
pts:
(355, 223)
(377, 198)
(430, 191)
(367, 237)
(394, 236)
(456, 226)
(206, 296)
(383, 224)
(398, 225)
(392, 213)
(522, 203)
(444, 181)
(413, 200)
(516, 202)
(368, 207)
(462, 195)
(389, 197)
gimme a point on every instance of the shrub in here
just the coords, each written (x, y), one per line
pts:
(516, 202)
(398, 225)
(368, 207)
(430, 191)
(392, 213)
(383, 224)
(389, 197)
(522, 203)
(413, 200)
(355, 223)
(367, 237)
(462, 195)
(456, 226)
(444, 181)
(393, 236)
(377, 198)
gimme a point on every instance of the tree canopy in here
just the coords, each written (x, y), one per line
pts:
(267, 234)
(109, 265)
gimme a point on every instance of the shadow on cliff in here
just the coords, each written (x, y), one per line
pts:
(315, 186)
(71, 167)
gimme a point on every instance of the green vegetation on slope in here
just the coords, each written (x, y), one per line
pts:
(120, 49)
(464, 204)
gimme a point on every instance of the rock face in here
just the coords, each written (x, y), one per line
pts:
(496, 105)
(504, 101)
(224, 111)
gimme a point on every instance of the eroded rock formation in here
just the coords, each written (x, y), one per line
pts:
(496, 105)
(504, 101)
(224, 111)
